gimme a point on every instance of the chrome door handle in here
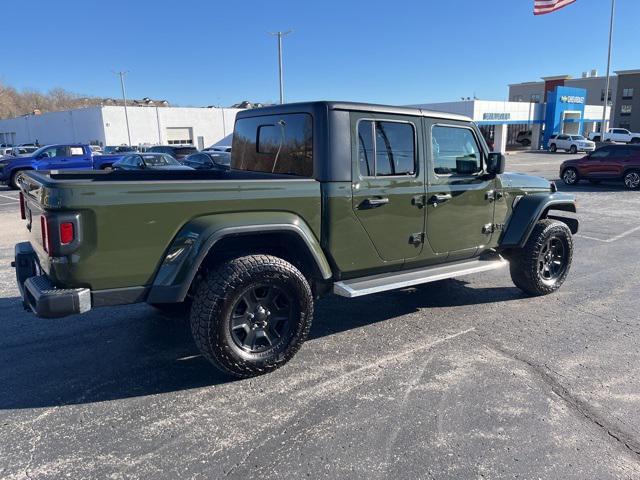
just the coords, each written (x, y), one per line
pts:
(374, 202)
(439, 198)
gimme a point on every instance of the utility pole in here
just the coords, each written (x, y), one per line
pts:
(606, 89)
(280, 35)
(124, 98)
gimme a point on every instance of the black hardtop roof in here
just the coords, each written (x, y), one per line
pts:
(350, 106)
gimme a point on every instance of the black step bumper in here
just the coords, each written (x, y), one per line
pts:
(39, 294)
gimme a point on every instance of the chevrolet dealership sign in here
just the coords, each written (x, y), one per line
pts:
(571, 99)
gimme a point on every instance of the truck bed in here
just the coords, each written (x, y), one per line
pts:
(128, 219)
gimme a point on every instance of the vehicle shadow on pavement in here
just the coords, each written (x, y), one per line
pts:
(585, 186)
(133, 351)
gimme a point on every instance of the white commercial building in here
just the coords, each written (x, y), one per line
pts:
(501, 122)
(106, 125)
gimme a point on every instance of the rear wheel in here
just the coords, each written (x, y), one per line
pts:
(635, 140)
(573, 149)
(596, 139)
(570, 176)
(542, 265)
(251, 314)
(632, 179)
(553, 148)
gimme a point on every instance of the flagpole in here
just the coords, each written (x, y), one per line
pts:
(606, 89)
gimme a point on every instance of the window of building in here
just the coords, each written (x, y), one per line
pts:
(275, 144)
(625, 110)
(535, 98)
(392, 152)
(455, 151)
(602, 95)
(518, 98)
(627, 93)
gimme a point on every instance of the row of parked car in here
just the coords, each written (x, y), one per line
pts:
(84, 157)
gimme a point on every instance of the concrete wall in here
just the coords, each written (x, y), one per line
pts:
(149, 125)
(81, 125)
(594, 87)
(526, 90)
(107, 126)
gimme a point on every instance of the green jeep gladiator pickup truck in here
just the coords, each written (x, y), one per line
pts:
(322, 197)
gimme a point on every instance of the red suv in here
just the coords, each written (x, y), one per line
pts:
(612, 162)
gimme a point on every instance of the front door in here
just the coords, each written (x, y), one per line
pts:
(388, 183)
(459, 195)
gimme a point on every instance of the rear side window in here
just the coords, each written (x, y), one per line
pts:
(275, 144)
(455, 151)
(386, 148)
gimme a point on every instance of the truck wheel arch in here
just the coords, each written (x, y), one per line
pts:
(188, 255)
(15, 173)
(532, 208)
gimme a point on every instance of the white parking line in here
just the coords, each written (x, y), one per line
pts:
(612, 239)
(8, 203)
(8, 197)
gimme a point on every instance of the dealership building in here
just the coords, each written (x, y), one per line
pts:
(107, 125)
(504, 123)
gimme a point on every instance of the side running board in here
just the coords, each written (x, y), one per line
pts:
(358, 287)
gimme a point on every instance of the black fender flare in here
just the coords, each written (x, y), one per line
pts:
(530, 209)
(191, 246)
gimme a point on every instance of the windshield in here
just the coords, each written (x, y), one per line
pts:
(159, 160)
(578, 137)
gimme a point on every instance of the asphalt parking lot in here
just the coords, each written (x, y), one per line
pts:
(464, 378)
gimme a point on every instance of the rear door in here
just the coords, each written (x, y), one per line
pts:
(388, 187)
(460, 195)
(78, 158)
(604, 162)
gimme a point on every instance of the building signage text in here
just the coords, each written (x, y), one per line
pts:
(496, 116)
(571, 99)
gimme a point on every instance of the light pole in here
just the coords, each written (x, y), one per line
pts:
(280, 35)
(606, 88)
(124, 98)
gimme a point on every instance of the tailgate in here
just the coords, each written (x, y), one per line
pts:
(31, 194)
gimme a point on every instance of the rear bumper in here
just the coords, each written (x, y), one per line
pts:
(38, 292)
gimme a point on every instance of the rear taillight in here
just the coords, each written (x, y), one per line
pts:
(66, 233)
(46, 238)
(23, 213)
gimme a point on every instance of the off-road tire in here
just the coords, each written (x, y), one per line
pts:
(213, 308)
(553, 148)
(569, 179)
(524, 263)
(631, 178)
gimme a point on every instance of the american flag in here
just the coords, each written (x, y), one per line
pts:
(540, 7)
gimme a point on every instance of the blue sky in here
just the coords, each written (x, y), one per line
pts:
(219, 52)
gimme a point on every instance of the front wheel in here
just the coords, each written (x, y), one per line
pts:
(632, 179)
(542, 265)
(251, 314)
(570, 176)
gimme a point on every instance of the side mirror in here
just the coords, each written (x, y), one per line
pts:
(495, 163)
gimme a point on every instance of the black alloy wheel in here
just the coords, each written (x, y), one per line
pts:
(261, 318)
(552, 260)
